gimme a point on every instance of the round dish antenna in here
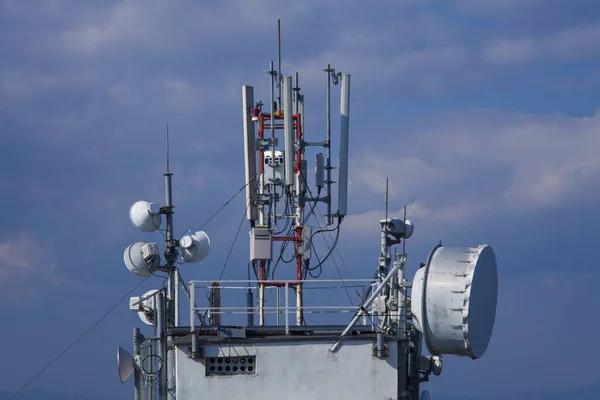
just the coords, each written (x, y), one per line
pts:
(147, 313)
(454, 299)
(125, 364)
(145, 216)
(194, 247)
(399, 228)
(140, 256)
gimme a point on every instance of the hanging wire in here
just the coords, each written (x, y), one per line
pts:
(227, 203)
(234, 240)
(57, 357)
(87, 331)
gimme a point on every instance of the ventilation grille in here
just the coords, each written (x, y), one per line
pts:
(244, 365)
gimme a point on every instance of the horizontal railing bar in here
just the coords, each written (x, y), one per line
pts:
(306, 312)
(284, 281)
(277, 308)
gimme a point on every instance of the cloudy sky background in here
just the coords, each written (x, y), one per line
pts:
(483, 114)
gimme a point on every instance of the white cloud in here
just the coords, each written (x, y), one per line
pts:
(27, 258)
(573, 43)
(470, 165)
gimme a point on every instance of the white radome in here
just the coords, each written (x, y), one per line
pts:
(194, 247)
(145, 216)
(454, 299)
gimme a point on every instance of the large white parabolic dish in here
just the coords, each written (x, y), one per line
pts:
(454, 299)
(134, 260)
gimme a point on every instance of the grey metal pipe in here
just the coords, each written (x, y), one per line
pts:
(194, 345)
(138, 381)
(160, 328)
(380, 345)
(250, 307)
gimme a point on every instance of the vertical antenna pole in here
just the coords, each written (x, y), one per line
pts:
(170, 252)
(138, 384)
(169, 304)
(328, 145)
(288, 129)
(272, 75)
(296, 96)
(168, 205)
(176, 287)
(160, 328)
(279, 76)
(387, 203)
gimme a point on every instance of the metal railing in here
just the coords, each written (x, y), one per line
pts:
(212, 301)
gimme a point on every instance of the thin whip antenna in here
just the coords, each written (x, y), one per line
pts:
(386, 203)
(404, 241)
(167, 147)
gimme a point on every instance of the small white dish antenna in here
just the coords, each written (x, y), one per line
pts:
(397, 227)
(194, 247)
(147, 312)
(454, 299)
(424, 395)
(125, 363)
(140, 256)
(145, 216)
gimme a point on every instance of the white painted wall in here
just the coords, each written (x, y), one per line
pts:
(300, 370)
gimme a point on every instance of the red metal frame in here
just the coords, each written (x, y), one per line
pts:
(297, 119)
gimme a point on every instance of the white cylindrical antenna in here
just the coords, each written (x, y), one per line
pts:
(344, 129)
(319, 170)
(288, 127)
(249, 153)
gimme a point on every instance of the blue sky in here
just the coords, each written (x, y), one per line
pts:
(483, 113)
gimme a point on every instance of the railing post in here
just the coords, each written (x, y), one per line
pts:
(287, 303)
(192, 305)
(278, 304)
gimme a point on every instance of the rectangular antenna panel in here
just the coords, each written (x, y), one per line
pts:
(306, 243)
(344, 129)
(288, 127)
(249, 153)
(319, 170)
(303, 179)
(261, 244)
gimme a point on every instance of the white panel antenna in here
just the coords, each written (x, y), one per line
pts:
(194, 247)
(125, 364)
(249, 153)
(319, 170)
(454, 300)
(145, 216)
(344, 131)
(424, 395)
(140, 257)
(288, 127)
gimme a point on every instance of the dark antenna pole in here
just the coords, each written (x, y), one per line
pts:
(386, 203)
(279, 62)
